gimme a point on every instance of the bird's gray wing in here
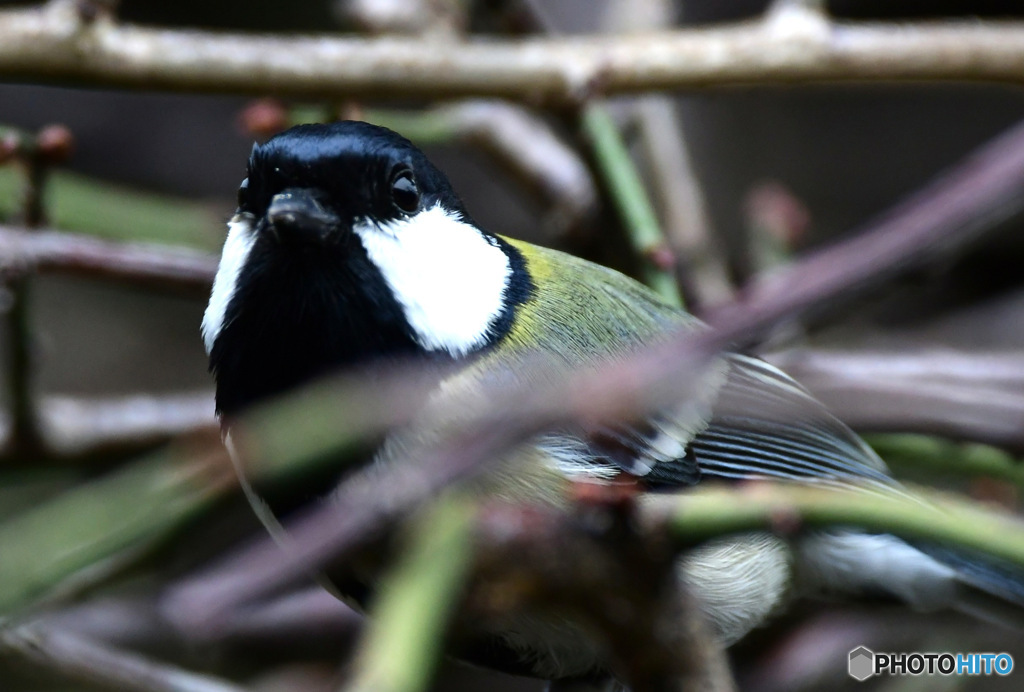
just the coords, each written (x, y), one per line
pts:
(763, 424)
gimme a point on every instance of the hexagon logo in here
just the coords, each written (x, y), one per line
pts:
(862, 663)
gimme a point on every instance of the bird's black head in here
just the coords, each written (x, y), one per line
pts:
(349, 245)
(333, 175)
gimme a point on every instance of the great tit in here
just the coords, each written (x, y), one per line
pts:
(349, 246)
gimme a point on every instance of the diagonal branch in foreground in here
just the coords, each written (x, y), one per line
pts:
(54, 43)
(943, 216)
(78, 658)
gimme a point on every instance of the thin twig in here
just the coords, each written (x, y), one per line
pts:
(622, 180)
(941, 217)
(35, 161)
(135, 263)
(24, 439)
(674, 182)
(936, 456)
(307, 622)
(55, 45)
(77, 658)
(634, 206)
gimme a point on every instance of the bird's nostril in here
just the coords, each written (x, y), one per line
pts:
(298, 214)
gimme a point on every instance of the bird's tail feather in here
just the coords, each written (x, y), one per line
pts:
(987, 588)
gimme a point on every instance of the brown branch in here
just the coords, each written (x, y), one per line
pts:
(65, 427)
(36, 153)
(138, 264)
(308, 622)
(969, 396)
(78, 658)
(55, 44)
(941, 217)
(76, 427)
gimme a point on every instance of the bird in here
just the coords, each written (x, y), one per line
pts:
(349, 248)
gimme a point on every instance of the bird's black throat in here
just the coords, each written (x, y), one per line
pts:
(300, 312)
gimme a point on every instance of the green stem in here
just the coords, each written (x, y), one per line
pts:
(406, 628)
(631, 200)
(25, 437)
(714, 512)
(79, 203)
(86, 526)
(905, 451)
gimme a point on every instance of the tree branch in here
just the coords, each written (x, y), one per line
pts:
(674, 183)
(55, 44)
(968, 396)
(135, 263)
(78, 658)
(78, 426)
(632, 202)
(307, 622)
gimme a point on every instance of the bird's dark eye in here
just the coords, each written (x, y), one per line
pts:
(404, 193)
(243, 193)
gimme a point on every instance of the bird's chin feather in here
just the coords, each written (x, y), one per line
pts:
(241, 237)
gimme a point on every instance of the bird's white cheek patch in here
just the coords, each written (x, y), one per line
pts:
(241, 236)
(448, 278)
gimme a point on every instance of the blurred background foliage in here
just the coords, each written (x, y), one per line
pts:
(157, 167)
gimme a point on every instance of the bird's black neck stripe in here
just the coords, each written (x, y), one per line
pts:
(518, 290)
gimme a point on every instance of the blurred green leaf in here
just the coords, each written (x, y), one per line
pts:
(85, 526)
(405, 632)
(79, 203)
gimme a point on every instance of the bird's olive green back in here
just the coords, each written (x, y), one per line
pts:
(582, 310)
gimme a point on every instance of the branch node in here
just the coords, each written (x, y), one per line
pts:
(91, 11)
(793, 20)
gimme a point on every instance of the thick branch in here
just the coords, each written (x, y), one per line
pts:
(54, 44)
(968, 396)
(80, 426)
(138, 264)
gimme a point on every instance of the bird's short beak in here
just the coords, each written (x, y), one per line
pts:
(296, 214)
